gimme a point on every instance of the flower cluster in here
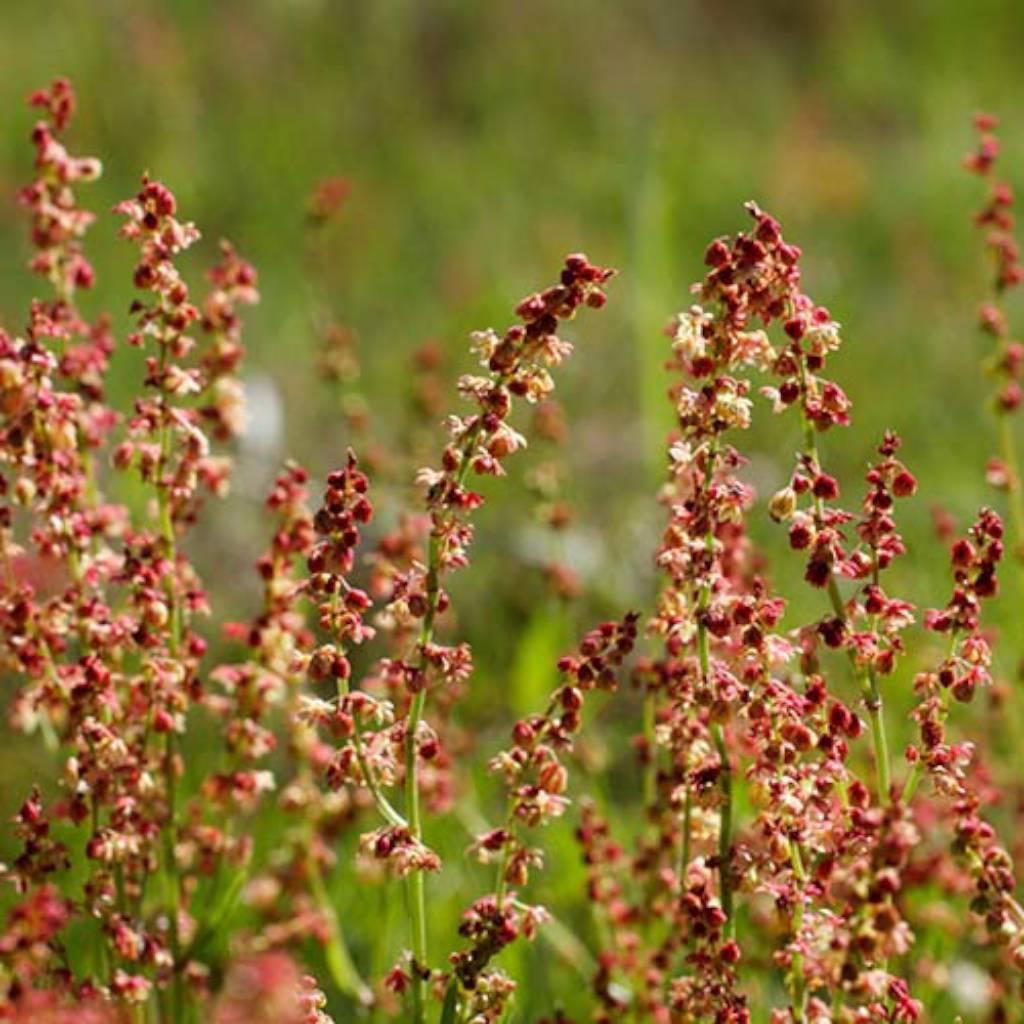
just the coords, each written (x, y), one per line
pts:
(1006, 363)
(388, 740)
(536, 777)
(97, 602)
(821, 867)
(223, 799)
(518, 364)
(58, 224)
(995, 217)
(269, 988)
(950, 765)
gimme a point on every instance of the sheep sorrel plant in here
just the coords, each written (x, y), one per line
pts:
(780, 810)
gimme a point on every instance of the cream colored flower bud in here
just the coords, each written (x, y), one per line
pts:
(24, 491)
(782, 504)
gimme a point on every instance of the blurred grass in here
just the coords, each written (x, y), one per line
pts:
(482, 142)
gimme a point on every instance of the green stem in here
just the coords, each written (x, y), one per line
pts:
(913, 780)
(717, 730)
(879, 741)
(166, 518)
(415, 888)
(797, 983)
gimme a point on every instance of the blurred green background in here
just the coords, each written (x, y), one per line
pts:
(482, 141)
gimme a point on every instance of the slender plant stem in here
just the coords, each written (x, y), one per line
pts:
(879, 741)
(166, 519)
(913, 781)
(384, 806)
(414, 887)
(415, 890)
(717, 730)
(342, 967)
(797, 983)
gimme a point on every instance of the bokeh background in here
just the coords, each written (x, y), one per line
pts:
(480, 142)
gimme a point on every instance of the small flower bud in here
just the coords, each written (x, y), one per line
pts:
(783, 504)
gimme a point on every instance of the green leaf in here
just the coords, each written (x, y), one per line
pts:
(218, 917)
(533, 672)
(451, 1003)
(343, 970)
